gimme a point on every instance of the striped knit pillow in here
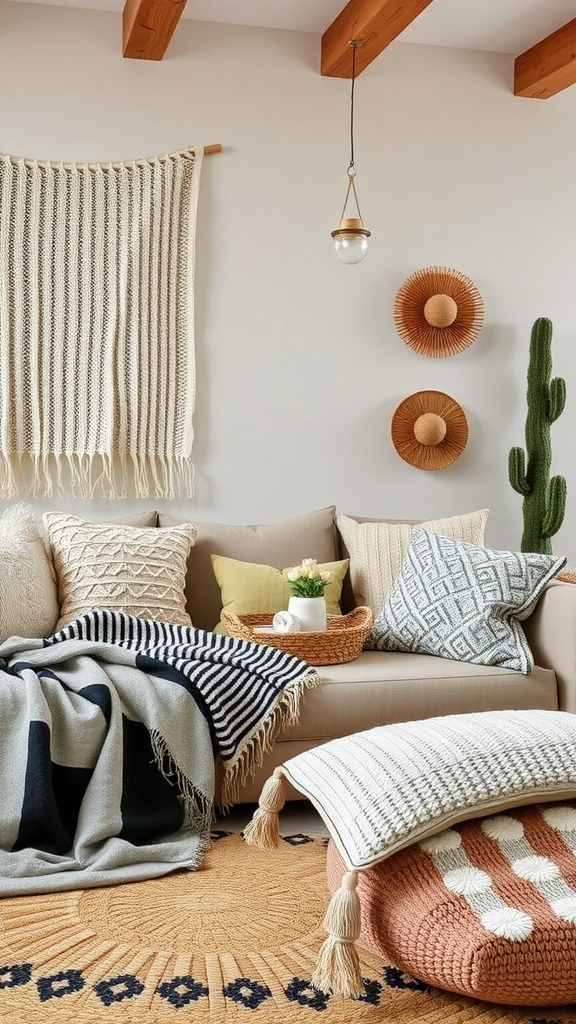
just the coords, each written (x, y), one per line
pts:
(486, 909)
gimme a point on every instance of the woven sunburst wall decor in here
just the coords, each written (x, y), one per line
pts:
(438, 311)
(429, 430)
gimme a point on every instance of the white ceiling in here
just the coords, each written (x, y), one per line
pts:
(505, 26)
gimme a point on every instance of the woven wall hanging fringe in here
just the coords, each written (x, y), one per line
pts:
(97, 366)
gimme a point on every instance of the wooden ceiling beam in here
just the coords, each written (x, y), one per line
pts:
(148, 26)
(549, 66)
(374, 24)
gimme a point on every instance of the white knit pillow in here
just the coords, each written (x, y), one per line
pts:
(377, 549)
(28, 595)
(139, 571)
(383, 789)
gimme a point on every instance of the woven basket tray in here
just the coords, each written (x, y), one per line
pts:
(341, 641)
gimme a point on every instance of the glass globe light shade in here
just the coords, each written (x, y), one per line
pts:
(350, 240)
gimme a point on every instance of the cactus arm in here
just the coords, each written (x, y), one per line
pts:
(556, 398)
(517, 471)
(555, 506)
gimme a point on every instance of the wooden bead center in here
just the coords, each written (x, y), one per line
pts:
(429, 429)
(440, 310)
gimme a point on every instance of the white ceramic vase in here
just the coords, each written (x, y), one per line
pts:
(310, 612)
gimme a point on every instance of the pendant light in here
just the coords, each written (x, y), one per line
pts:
(351, 236)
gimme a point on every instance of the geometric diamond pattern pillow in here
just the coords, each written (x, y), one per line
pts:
(463, 602)
(139, 571)
(377, 549)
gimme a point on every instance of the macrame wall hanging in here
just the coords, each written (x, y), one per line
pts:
(97, 368)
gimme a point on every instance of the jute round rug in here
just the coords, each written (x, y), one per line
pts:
(234, 941)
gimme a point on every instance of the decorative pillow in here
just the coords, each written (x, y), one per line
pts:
(277, 544)
(463, 602)
(28, 593)
(248, 588)
(381, 790)
(376, 549)
(485, 909)
(140, 571)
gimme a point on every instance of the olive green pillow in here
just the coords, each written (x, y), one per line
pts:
(251, 589)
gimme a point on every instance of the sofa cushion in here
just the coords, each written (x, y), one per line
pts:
(484, 909)
(463, 601)
(28, 592)
(138, 519)
(250, 588)
(311, 535)
(137, 570)
(376, 549)
(383, 687)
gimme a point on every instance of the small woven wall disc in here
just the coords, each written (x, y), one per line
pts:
(438, 311)
(429, 430)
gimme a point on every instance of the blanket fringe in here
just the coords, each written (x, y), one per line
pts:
(198, 808)
(234, 776)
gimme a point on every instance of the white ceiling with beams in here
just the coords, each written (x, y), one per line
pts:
(540, 34)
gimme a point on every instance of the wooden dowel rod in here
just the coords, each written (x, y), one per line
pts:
(214, 148)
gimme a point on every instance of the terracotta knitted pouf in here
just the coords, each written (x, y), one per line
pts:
(486, 909)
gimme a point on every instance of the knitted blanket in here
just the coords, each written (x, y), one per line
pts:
(111, 730)
(97, 372)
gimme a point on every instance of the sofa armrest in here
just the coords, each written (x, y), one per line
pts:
(551, 633)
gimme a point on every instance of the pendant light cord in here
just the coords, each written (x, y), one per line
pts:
(351, 168)
(351, 164)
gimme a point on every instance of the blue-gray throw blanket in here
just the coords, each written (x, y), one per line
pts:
(111, 733)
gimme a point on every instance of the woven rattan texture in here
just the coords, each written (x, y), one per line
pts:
(233, 942)
(410, 305)
(567, 577)
(342, 641)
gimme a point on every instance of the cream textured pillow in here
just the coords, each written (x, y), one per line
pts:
(249, 589)
(28, 594)
(377, 549)
(140, 571)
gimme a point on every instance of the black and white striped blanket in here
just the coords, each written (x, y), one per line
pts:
(111, 733)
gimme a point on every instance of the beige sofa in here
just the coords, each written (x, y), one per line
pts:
(377, 688)
(382, 687)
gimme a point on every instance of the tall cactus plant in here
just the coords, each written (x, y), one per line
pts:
(544, 501)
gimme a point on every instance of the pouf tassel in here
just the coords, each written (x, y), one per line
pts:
(338, 966)
(264, 828)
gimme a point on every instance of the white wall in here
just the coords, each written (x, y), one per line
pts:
(299, 367)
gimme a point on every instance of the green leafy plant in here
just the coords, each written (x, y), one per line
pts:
(307, 579)
(544, 497)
